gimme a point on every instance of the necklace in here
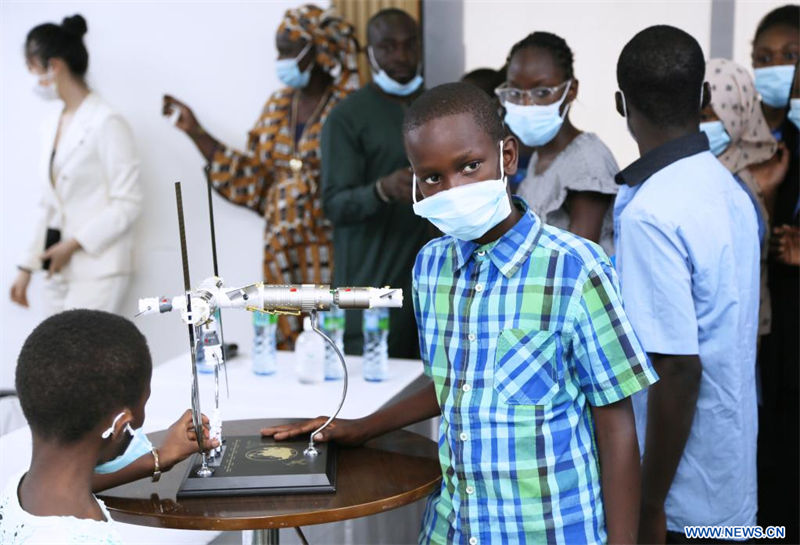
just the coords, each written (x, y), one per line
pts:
(295, 163)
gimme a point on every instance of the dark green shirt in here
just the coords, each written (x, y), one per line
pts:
(374, 243)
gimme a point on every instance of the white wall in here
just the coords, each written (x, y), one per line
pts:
(596, 31)
(218, 57)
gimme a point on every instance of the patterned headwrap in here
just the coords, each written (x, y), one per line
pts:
(735, 101)
(333, 38)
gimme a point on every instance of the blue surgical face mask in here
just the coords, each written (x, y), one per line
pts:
(138, 447)
(289, 70)
(387, 84)
(468, 211)
(536, 125)
(794, 112)
(774, 84)
(718, 137)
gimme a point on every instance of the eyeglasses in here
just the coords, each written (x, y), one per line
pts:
(537, 95)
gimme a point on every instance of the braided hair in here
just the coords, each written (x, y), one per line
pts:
(555, 45)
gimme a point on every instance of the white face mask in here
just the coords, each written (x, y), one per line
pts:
(48, 91)
(468, 211)
(536, 125)
(387, 84)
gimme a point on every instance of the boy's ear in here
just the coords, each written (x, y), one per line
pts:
(510, 155)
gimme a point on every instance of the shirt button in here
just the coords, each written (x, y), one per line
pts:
(470, 490)
(471, 337)
(481, 253)
(463, 436)
(466, 387)
(479, 288)
(473, 541)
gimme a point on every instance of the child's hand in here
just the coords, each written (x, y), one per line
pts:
(181, 441)
(343, 432)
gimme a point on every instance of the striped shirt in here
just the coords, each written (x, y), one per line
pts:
(520, 337)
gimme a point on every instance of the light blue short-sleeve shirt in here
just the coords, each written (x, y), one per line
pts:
(688, 261)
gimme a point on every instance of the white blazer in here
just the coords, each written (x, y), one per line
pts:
(93, 194)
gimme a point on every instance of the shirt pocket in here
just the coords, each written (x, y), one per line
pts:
(526, 366)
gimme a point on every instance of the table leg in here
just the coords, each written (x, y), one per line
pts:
(269, 536)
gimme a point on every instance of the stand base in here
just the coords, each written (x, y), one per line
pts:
(252, 465)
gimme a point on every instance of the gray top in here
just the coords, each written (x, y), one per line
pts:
(586, 164)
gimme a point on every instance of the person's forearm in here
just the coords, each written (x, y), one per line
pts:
(410, 410)
(207, 144)
(349, 206)
(141, 467)
(671, 405)
(618, 452)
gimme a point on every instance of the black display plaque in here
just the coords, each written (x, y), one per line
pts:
(253, 465)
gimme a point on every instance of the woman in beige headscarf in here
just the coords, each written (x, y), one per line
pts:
(738, 134)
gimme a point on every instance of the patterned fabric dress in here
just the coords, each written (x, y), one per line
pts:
(297, 238)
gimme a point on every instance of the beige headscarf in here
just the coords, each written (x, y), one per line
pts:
(735, 101)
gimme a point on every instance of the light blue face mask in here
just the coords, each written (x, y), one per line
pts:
(794, 112)
(289, 70)
(536, 125)
(138, 447)
(387, 84)
(468, 211)
(774, 84)
(718, 137)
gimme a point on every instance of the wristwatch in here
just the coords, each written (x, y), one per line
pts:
(156, 467)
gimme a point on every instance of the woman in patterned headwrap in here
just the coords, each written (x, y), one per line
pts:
(278, 176)
(738, 134)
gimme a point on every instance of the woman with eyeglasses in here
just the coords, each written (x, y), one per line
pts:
(570, 180)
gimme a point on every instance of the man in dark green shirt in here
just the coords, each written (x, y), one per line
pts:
(366, 180)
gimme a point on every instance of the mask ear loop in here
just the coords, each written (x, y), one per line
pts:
(414, 188)
(625, 104)
(106, 434)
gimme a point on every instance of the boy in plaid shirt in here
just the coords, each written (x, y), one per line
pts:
(531, 356)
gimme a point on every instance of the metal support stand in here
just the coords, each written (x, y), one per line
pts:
(269, 536)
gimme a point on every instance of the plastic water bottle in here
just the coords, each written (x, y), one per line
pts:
(333, 326)
(265, 328)
(376, 350)
(309, 353)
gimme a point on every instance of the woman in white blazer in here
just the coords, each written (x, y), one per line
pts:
(91, 195)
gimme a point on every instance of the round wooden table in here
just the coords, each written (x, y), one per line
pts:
(388, 472)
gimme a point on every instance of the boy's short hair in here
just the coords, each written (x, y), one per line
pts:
(76, 367)
(454, 99)
(788, 16)
(661, 72)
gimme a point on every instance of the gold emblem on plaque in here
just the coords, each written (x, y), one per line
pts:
(272, 454)
(295, 164)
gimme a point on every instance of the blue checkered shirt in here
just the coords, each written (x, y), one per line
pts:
(520, 337)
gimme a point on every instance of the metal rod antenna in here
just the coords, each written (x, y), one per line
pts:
(213, 231)
(187, 284)
(197, 416)
(216, 274)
